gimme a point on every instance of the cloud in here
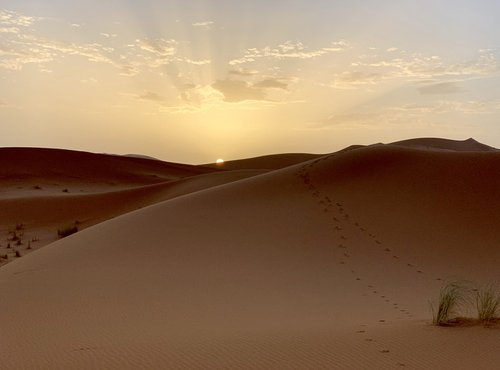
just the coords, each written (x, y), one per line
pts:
(354, 79)
(152, 96)
(406, 113)
(440, 88)
(15, 30)
(237, 90)
(420, 66)
(205, 24)
(158, 47)
(8, 17)
(196, 62)
(371, 69)
(242, 72)
(287, 50)
(273, 83)
(108, 35)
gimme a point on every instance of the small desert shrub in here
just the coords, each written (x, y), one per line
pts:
(65, 190)
(451, 297)
(37, 187)
(4, 256)
(29, 245)
(18, 254)
(67, 231)
(15, 237)
(487, 303)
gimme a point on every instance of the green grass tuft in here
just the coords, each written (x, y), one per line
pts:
(451, 297)
(487, 303)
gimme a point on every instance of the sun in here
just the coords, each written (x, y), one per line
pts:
(219, 161)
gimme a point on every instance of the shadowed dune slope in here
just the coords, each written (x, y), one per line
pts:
(326, 264)
(49, 165)
(266, 162)
(469, 145)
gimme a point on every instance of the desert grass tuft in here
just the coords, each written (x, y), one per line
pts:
(67, 231)
(487, 303)
(451, 297)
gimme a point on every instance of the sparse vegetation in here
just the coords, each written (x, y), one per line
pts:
(65, 190)
(5, 256)
(68, 230)
(37, 187)
(18, 254)
(451, 297)
(487, 303)
(455, 296)
(15, 237)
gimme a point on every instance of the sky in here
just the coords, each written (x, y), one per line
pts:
(195, 80)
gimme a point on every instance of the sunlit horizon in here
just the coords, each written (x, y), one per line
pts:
(190, 81)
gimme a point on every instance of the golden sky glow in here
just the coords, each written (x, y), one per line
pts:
(189, 81)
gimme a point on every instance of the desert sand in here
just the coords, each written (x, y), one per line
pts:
(278, 262)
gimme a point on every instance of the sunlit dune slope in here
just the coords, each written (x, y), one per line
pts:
(45, 190)
(326, 264)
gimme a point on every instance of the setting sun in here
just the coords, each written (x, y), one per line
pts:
(219, 161)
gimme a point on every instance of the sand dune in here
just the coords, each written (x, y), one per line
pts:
(329, 263)
(266, 162)
(44, 190)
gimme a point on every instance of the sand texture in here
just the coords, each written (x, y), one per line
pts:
(327, 263)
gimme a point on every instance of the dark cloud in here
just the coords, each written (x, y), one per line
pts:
(237, 90)
(273, 83)
(440, 88)
(152, 96)
(242, 73)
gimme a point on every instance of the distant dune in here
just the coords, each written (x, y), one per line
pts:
(289, 262)
(267, 162)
